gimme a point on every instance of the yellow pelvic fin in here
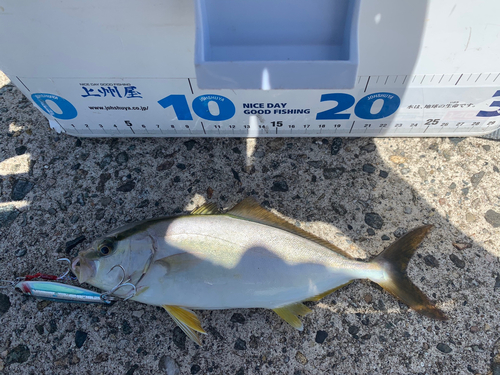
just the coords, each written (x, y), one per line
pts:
(324, 294)
(206, 209)
(290, 314)
(178, 262)
(187, 321)
(249, 209)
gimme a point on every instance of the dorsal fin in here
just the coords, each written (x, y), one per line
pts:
(249, 209)
(206, 209)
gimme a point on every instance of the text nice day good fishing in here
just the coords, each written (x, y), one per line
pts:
(244, 258)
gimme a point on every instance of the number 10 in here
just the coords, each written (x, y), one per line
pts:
(200, 107)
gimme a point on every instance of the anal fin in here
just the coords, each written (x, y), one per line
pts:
(324, 294)
(290, 314)
(187, 321)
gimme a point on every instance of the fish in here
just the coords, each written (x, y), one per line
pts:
(246, 257)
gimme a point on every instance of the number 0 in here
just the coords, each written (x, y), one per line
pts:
(68, 111)
(365, 104)
(226, 107)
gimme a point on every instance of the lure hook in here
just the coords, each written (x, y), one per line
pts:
(10, 282)
(121, 284)
(66, 274)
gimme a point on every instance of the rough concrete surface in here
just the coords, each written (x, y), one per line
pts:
(360, 194)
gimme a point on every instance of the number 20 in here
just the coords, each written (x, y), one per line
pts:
(363, 107)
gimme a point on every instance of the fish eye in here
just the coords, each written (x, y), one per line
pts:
(105, 248)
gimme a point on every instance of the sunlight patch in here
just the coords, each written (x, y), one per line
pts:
(197, 201)
(15, 204)
(4, 80)
(15, 165)
(14, 128)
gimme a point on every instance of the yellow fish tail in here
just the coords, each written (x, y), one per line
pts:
(394, 261)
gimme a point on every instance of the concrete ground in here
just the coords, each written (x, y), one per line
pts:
(58, 193)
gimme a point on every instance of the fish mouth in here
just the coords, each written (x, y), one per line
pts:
(83, 268)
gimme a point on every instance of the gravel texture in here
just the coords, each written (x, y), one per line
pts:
(58, 193)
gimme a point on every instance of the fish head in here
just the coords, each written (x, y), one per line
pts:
(83, 266)
(120, 255)
(93, 264)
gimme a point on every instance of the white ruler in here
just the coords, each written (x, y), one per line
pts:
(461, 104)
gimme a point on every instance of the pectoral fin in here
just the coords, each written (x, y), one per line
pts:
(290, 314)
(141, 290)
(187, 321)
(178, 262)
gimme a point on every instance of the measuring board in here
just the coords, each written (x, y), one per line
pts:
(419, 105)
(374, 68)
